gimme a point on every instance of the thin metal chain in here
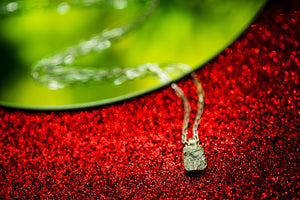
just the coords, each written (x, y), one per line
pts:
(57, 71)
(200, 93)
(187, 109)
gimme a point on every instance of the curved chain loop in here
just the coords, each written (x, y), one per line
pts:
(187, 109)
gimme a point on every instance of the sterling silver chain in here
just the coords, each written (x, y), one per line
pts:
(187, 109)
(58, 71)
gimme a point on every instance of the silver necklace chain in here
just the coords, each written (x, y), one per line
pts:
(58, 72)
(187, 109)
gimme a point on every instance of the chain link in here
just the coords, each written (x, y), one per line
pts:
(200, 93)
(187, 109)
(57, 71)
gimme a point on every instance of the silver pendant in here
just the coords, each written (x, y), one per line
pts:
(193, 156)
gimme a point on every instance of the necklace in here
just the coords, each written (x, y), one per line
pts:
(57, 71)
(193, 153)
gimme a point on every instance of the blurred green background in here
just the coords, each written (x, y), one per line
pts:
(179, 31)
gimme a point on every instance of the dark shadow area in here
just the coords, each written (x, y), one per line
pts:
(195, 173)
(10, 65)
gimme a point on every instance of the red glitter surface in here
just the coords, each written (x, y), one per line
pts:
(249, 130)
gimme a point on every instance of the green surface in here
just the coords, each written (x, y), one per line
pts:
(179, 31)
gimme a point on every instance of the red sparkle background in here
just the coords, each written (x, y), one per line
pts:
(249, 130)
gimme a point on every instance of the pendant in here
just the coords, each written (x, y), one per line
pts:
(193, 156)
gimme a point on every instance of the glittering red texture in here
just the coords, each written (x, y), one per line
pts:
(249, 130)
